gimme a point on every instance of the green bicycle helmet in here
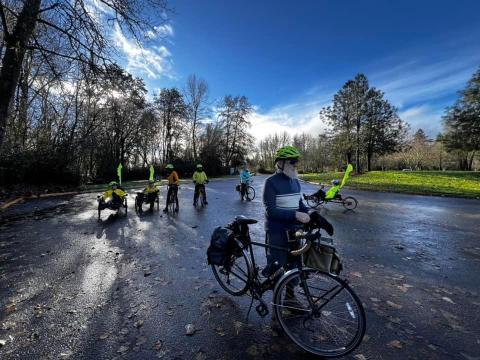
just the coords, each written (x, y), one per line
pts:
(112, 183)
(287, 152)
(199, 166)
(169, 166)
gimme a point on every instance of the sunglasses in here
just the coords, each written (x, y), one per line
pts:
(293, 161)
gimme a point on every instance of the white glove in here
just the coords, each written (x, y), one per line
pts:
(302, 217)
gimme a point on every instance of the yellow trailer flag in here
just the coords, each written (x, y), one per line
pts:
(347, 174)
(119, 173)
(152, 173)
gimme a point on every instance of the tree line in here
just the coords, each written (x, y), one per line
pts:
(366, 130)
(70, 114)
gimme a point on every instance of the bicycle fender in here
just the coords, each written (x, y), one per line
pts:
(284, 276)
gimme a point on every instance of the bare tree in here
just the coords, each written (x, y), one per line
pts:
(70, 30)
(233, 115)
(196, 98)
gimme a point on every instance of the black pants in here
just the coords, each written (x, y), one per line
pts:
(172, 189)
(320, 194)
(282, 257)
(148, 198)
(114, 203)
(197, 192)
(243, 189)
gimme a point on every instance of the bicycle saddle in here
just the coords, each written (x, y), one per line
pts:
(240, 219)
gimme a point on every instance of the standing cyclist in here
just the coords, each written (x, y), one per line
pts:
(244, 180)
(173, 182)
(199, 179)
(284, 208)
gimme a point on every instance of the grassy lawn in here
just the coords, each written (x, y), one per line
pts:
(448, 183)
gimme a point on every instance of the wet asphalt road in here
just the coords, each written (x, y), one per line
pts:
(125, 287)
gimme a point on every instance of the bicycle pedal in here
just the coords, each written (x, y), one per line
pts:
(262, 310)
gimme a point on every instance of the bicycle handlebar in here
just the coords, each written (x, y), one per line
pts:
(302, 250)
(309, 237)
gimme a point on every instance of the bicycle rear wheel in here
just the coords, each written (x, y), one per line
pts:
(250, 193)
(350, 203)
(326, 320)
(235, 275)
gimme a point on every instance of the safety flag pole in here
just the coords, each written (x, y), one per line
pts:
(119, 173)
(152, 173)
(347, 174)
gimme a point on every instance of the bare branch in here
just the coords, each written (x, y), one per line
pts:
(4, 20)
(48, 8)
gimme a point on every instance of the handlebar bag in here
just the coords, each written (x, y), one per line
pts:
(323, 257)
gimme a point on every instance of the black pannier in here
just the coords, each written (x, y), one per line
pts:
(221, 246)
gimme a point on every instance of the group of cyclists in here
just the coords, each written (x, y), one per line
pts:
(114, 196)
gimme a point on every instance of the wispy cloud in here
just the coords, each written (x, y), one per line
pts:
(162, 31)
(152, 61)
(424, 117)
(414, 82)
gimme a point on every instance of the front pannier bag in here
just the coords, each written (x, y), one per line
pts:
(323, 257)
(220, 246)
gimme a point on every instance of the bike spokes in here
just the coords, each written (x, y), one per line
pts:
(327, 318)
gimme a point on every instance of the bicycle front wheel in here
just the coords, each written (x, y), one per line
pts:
(234, 276)
(319, 313)
(250, 193)
(350, 203)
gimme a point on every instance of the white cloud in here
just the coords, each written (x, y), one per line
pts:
(295, 118)
(162, 31)
(424, 117)
(153, 61)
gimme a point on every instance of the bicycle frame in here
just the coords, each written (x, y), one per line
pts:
(255, 285)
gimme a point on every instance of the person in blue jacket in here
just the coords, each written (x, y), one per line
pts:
(245, 176)
(284, 209)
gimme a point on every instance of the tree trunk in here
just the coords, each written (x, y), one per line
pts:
(369, 161)
(16, 43)
(470, 162)
(349, 157)
(357, 152)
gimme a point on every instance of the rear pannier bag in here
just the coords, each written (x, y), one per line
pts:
(323, 257)
(220, 246)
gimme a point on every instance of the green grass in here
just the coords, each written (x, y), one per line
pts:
(447, 183)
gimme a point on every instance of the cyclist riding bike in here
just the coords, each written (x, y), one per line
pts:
(284, 208)
(321, 194)
(199, 179)
(150, 194)
(113, 197)
(245, 176)
(173, 182)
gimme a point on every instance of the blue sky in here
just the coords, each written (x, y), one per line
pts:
(289, 58)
